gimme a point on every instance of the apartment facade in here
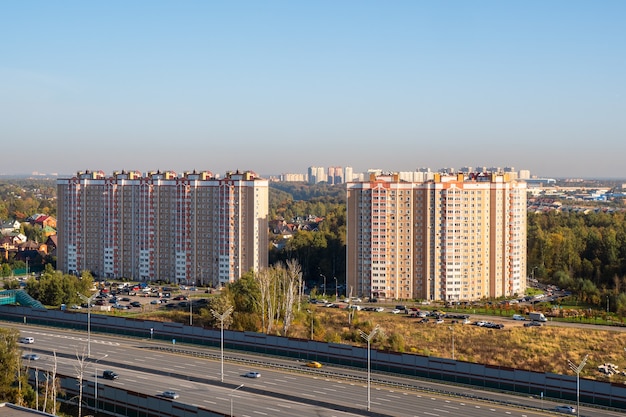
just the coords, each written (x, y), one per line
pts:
(455, 238)
(193, 228)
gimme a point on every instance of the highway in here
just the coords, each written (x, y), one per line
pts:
(286, 387)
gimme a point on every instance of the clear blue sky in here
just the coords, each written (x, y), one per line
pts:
(277, 86)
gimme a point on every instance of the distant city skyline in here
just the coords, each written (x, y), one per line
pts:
(277, 86)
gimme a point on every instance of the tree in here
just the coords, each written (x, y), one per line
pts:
(13, 377)
(291, 283)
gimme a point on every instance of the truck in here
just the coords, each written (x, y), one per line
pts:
(536, 316)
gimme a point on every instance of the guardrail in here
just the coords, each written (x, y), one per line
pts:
(486, 377)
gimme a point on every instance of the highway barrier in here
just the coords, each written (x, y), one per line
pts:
(553, 386)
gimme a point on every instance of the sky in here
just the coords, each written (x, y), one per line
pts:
(278, 86)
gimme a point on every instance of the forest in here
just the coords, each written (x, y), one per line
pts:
(582, 252)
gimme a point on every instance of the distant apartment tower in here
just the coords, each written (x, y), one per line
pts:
(348, 174)
(191, 228)
(454, 238)
(317, 175)
(290, 177)
(335, 175)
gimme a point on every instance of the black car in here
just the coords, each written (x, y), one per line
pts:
(135, 304)
(109, 375)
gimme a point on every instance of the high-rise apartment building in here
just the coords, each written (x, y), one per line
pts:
(454, 238)
(317, 175)
(191, 228)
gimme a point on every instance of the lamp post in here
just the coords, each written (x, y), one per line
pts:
(89, 301)
(95, 389)
(231, 399)
(336, 290)
(577, 369)
(324, 276)
(369, 338)
(221, 318)
(452, 331)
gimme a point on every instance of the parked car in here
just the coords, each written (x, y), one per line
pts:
(170, 394)
(314, 364)
(109, 375)
(532, 323)
(567, 409)
(30, 357)
(252, 374)
(135, 304)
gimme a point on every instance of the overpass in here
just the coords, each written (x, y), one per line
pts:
(19, 297)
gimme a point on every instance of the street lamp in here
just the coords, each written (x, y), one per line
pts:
(533, 271)
(452, 331)
(336, 293)
(231, 399)
(95, 389)
(324, 276)
(89, 301)
(369, 338)
(221, 318)
(577, 369)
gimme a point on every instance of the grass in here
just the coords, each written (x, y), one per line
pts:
(541, 349)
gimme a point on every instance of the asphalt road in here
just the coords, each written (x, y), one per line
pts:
(286, 387)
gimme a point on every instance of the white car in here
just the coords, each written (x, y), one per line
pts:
(31, 357)
(170, 394)
(379, 309)
(27, 340)
(252, 374)
(396, 311)
(568, 409)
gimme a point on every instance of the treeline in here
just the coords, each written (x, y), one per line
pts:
(322, 252)
(585, 253)
(20, 198)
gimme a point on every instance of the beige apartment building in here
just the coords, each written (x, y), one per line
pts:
(455, 238)
(194, 228)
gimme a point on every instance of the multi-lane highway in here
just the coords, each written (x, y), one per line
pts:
(285, 388)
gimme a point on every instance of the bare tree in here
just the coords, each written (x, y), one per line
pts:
(263, 279)
(80, 373)
(292, 276)
(273, 307)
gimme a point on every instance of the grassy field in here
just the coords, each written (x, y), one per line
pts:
(542, 349)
